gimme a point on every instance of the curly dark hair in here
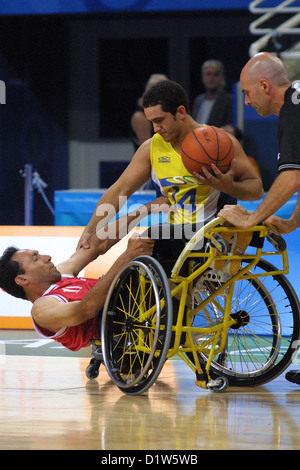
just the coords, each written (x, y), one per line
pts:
(8, 271)
(170, 95)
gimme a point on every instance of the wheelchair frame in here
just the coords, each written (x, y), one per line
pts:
(146, 352)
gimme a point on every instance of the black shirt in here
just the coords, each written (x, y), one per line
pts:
(289, 131)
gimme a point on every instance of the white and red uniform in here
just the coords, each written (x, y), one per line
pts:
(71, 289)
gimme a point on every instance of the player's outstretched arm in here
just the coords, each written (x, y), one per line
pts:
(52, 315)
(108, 236)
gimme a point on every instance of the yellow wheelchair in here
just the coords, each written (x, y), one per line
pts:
(234, 319)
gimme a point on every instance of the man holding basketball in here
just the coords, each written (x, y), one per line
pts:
(196, 198)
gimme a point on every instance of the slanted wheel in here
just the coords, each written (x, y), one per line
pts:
(92, 370)
(265, 336)
(219, 384)
(137, 325)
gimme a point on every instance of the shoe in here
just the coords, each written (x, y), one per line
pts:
(293, 376)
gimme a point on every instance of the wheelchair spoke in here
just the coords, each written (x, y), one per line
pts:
(137, 331)
(259, 344)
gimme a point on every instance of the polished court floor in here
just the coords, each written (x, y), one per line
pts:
(47, 403)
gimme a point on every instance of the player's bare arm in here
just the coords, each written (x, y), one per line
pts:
(285, 185)
(108, 236)
(134, 176)
(286, 225)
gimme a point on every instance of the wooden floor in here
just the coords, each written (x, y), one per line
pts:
(48, 403)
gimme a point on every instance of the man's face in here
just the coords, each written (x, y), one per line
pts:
(38, 268)
(212, 79)
(163, 123)
(255, 96)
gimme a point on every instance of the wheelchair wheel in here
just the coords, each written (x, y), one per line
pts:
(137, 325)
(262, 343)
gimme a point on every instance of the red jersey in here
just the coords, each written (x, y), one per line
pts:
(71, 289)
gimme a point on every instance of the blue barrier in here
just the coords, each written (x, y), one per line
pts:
(75, 207)
(285, 211)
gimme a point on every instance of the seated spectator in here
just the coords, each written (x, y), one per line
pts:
(214, 106)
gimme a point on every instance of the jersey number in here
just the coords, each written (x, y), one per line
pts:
(187, 201)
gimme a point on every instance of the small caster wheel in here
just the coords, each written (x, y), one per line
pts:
(218, 385)
(220, 243)
(277, 241)
(92, 370)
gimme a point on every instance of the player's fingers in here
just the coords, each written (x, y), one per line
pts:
(216, 171)
(208, 176)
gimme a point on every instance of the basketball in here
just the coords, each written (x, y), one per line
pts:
(204, 146)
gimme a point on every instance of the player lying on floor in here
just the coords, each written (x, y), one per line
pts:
(66, 307)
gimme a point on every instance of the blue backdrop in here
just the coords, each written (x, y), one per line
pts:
(21, 7)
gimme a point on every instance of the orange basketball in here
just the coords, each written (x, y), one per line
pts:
(204, 146)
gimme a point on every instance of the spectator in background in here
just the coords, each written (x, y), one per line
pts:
(142, 129)
(238, 134)
(214, 106)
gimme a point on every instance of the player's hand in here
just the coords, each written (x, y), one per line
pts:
(283, 225)
(84, 241)
(216, 179)
(138, 246)
(236, 215)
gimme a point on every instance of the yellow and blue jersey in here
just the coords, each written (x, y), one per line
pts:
(193, 201)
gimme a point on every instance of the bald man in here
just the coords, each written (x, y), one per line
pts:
(265, 83)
